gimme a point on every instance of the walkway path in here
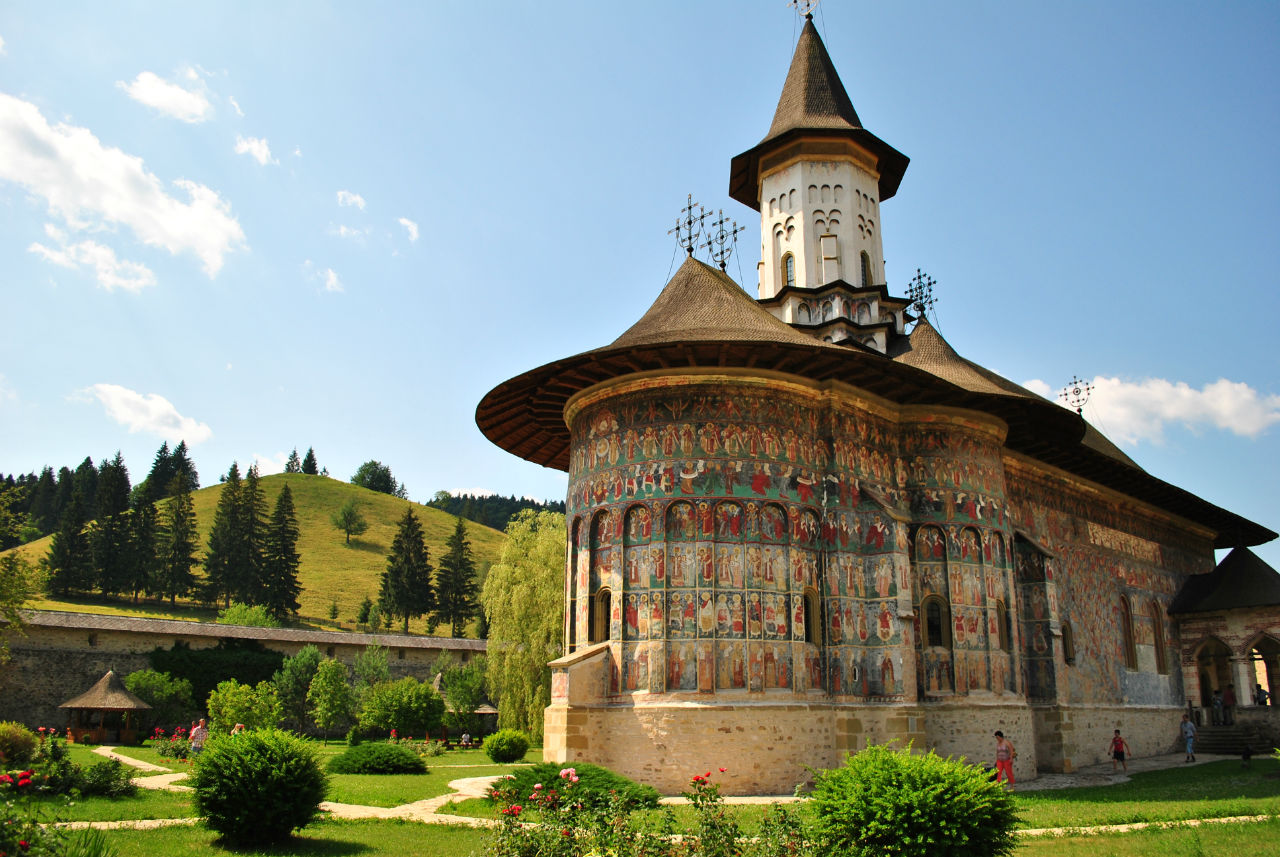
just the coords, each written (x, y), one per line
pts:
(426, 811)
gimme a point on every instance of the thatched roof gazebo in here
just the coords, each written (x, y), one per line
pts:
(105, 713)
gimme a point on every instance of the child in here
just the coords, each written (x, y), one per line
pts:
(1119, 749)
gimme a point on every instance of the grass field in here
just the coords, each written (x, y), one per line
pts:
(330, 569)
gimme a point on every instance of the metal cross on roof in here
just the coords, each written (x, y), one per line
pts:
(1076, 394)
(804, 7)
(688, 228)
(721, 242)
(920, 292)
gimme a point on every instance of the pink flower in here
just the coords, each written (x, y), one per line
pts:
(538, 787)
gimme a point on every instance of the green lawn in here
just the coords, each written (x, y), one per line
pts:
(1249, 839)
(147, 753)
(397, 789)
(145, 804)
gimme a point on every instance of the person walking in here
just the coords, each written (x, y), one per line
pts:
(199, 734)
(1119, 750)
(1005, 754)
(1188, 731)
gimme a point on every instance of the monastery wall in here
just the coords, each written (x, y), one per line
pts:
(49, 665)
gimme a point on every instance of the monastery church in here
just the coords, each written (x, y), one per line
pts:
(802, 524)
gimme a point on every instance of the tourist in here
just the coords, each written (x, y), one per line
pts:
(1119, 750)
(1005, 754)
(1260, 695)
(466, 739)
(237, 729)
(199, 734)
(1217, 707)
(1229, 705)
(1188, 731)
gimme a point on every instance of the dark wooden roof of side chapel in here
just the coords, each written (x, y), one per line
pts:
(108, 694)
(813, 103)
(1241, 580)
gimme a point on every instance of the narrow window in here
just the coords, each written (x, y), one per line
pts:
(1157, 637)
(866, 270)
(1068, 643)
(937, 622)
(811, 617)
(601, 606)
(788, 270)
(1002, 625)
(1126, 631)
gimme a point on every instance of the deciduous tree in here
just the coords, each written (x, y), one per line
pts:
(523, 598)
(349, 519)
(330, 698)
(293, 680)
(19, 582)
(375, 476)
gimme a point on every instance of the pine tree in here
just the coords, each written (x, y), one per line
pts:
(144, 563)
(280, 559)
(294, 464)
(406, 584)
(86, 481)
(254, 523)
(66, 486)
(44, 501)
(220, 561)
(161, 475)
(112, 533)
(456, 583)
(70, 559)
(309, 465)
(178, 541)
(184, 466)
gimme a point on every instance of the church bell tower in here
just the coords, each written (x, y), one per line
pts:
(817, 179)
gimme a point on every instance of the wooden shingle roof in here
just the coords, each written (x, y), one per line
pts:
(108, 694)
(1241, 580)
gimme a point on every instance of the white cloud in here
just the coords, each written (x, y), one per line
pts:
(1040, 388)
(346, 197)
(148, 412)
(1131, 412)
(255, 147)
(297, 151)
(236, 105)
(349, 232)
(1, 46)
(269, 464)
(90, 185)
(332, 283)
(411, 226)
(112, 272)
(169, 98)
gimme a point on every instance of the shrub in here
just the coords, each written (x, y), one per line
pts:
(255, 616)
(108, 778)
(408, 706)
(17, 744)
(258, 787)
(506, 745)
(377, 758)
(232, 702)
(594, 783)
(170, 698)
(887, 801)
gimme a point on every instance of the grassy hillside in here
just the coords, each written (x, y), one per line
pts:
(330, 569)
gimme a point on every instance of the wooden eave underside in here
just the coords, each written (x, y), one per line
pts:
(525, 415)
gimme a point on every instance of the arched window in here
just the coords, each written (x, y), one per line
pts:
(1157, 637)
(866, 270)
(1068, 643)
(1002, 625)
(812, 626)
(936, 629)
(1126, 633)
(601, 607)
(788, 270)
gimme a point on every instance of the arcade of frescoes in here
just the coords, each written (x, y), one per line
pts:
(794, 532)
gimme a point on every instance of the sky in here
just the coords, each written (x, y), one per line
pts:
(261, 226)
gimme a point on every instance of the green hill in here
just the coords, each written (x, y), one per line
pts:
(330, 569)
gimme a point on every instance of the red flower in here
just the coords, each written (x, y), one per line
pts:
(722, 770)
(24, 782)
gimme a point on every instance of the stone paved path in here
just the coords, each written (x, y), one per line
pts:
(426, 811)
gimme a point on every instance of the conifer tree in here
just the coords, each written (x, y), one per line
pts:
(253, 520)
(183, 465)
(294, 464)
(280, 559)
(456, 583)
(309, 465)
(70, 559)
(44, 502)
(144, 563)
(85, 480)
(66, 486)
(221, 560)
(406, 584)
(112, 532)
(161, 475)
(178, 541)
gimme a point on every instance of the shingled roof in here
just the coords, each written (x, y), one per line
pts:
(813, 103)
(108, 694)
(1241, 580)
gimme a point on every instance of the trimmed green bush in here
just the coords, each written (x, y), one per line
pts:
(17, 745)
(258, 787)
(593, 787)
(410, 707)
(887, 801)
(108, 778)
(506, 745)
(377, 758)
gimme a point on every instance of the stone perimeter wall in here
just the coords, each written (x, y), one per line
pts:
(48, 666)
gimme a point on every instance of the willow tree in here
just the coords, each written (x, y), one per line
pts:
(523, 598)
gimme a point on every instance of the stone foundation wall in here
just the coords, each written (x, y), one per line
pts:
(1081, 735)
(967, 729)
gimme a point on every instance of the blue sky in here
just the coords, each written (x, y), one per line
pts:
(267, 225)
